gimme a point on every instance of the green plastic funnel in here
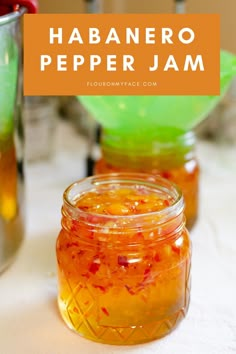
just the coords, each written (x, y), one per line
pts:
(148, 115)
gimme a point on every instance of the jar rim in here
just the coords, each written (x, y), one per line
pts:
(12, 16)
(155, 182)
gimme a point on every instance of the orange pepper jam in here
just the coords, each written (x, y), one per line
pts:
(8, 181)
(123, 258)
(173, 159)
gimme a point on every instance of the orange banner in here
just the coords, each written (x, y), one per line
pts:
(121, 54)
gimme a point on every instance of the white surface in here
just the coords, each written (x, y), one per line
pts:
(29, 320)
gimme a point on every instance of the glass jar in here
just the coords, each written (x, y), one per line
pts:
(11, 138)
(171, 157)
(123, 279)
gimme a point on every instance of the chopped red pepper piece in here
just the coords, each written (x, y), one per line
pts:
(94, 267)
(104, 310)
(123, 261)
(86, 275)
(130, 290)
(102, 288)
(157, 258)
(72, 244)
(75, 310)
(80, 253)
(166, 174)
(74, 226)
(166, 202)
(176, 249)
(147, 273)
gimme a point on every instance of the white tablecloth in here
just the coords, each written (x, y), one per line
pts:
(29, 320)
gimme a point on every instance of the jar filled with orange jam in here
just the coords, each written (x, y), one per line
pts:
(123, 258)
(170, 157)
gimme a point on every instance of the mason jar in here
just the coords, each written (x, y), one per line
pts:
(123, 258)
(172, 157)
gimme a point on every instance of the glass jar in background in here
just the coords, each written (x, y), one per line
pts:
(123, 258)
(173, 159)
(11, 138)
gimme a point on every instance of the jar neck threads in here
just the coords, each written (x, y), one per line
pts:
(119, 229)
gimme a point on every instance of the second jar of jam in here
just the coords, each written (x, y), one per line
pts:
(171, 157)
